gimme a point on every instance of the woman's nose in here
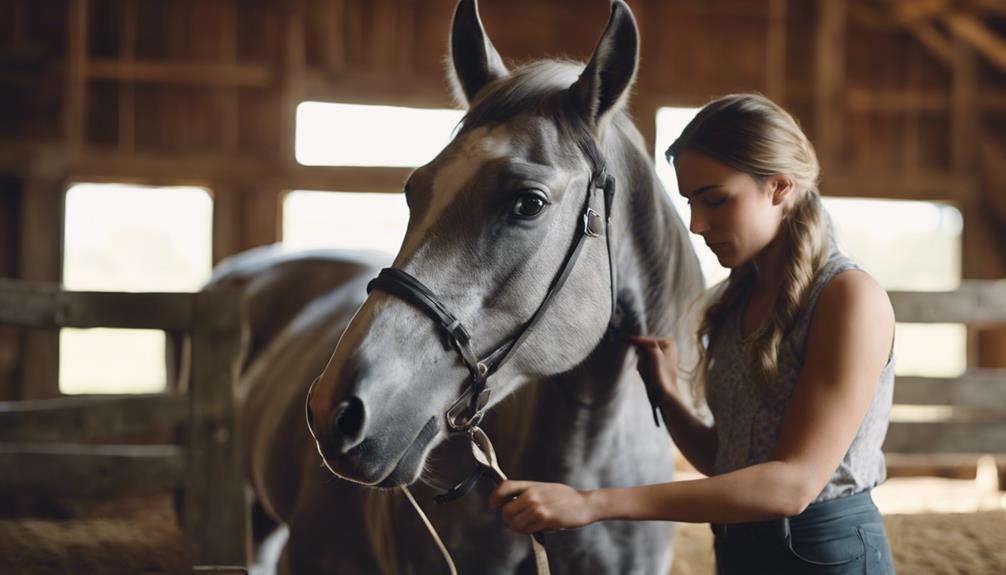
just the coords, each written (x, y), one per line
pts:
(697, 224)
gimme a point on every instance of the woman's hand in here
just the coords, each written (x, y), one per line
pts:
(529, 506)
(658, 366)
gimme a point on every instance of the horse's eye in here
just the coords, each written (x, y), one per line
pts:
(528, 205)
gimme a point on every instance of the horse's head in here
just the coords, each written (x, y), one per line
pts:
(493, 218)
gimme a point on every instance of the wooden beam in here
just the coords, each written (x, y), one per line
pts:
(230, 118)
(86, 418)
(203, 73)
(830, 65)
(934, 41)
(983, 39)
(76, 81)
(918, 185)
(248, 171)
(127, 91)
(292, 90)
(41, 259)
(946, 437)
(984, 388)
(216, 509)
(405, 89)
(913, 10)
(975, 302)
(90, 470)
(993, 162)
(964, 109)
(775, 57)
(47, 306)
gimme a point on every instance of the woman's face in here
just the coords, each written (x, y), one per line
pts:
(735, 215)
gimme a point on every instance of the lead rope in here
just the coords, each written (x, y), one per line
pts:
(485, 455)
(433, 532)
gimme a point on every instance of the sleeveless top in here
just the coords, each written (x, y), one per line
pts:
(749, 417)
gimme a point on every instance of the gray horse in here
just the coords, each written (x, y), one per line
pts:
(492, 218)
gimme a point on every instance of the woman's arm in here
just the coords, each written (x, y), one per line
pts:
(847, 348)
(658, 361)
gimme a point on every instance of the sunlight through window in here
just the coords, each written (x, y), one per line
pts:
(356, 135)
(344, 220)
(129, 238)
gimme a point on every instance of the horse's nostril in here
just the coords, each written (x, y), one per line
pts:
(348, 422)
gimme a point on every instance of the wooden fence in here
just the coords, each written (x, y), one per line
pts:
(974, 418)
(52, 446)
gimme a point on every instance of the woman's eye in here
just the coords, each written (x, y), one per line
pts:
(715, 201)
(528, 206)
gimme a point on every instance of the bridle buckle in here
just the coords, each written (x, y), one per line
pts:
(593, 223)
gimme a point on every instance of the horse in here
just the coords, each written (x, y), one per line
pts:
(493, 218)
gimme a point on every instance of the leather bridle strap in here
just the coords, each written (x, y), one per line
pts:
(467, 410)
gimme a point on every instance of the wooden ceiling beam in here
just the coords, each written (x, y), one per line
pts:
(200, 73)
(985, 41)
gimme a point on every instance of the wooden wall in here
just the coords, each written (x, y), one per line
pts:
(903, 100)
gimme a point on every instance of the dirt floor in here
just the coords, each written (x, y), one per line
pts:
(141, 536)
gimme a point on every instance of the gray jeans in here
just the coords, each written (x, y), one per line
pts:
(844, 535)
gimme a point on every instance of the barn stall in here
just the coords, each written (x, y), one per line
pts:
(143, 142)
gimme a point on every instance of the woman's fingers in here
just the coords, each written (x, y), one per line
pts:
(507, 491)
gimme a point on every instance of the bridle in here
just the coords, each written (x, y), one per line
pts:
(468, 409)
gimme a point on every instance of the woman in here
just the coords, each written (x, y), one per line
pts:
(798, 370)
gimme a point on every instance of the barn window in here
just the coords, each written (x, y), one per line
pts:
(905, 245)
(345, 220)
(129, 238)
(332, 134)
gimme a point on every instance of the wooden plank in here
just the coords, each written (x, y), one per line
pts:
(934, 186)
(89, 418)
(775, 57)
(216, 509)
(186, 73)
(949, 465)
(934, 41)
(946, 437)
(975, 302)
(127, 91)
(964, 109)
(830, 66)
(41, 259)
(47, 306)
(981, 37)
(90, 470)
(76, 84)
(984, 389)
(213, 170)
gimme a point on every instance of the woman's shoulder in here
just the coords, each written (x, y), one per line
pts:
(852, 292)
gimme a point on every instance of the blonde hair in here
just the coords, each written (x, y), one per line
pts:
(752, 134)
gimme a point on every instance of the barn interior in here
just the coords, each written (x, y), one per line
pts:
(142, 142)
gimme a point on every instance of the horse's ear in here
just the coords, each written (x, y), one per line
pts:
(603, 87)
(474, 60)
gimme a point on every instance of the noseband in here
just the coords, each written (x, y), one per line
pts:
(467, 411)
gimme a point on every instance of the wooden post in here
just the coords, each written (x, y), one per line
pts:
(127, 90)
(293, 82)
(830, 59)
(775, 56)
(76, 85)
(41, 259)
(216, 504)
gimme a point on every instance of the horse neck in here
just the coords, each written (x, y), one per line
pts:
(659, 273)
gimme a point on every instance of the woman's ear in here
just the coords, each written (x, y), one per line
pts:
(782, 188)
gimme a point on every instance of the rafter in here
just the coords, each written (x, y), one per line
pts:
(984, 40)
